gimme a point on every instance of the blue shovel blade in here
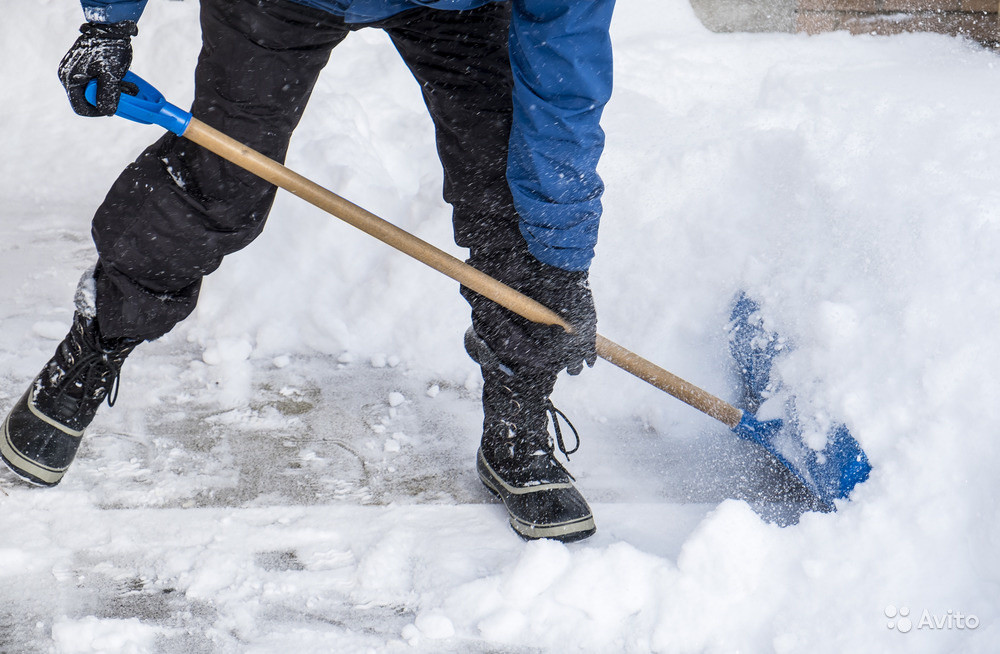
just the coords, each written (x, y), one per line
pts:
(830, 473)
(754, 347)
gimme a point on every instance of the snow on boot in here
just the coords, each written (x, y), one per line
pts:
(42, 432)
(516, 459)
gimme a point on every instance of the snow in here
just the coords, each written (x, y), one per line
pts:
(256, 489)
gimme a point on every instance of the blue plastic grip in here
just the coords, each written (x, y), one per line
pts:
(148, 106)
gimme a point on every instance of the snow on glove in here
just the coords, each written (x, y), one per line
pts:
(523, 344)
(103, 52)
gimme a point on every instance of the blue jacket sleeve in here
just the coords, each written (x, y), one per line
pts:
(560, 52)
(112, 11)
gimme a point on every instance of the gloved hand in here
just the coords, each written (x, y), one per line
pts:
(104, 53)
(517, 341)
(567, 293)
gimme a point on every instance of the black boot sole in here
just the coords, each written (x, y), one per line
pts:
(556, 511)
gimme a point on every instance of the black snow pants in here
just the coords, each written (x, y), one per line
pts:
(177, 210)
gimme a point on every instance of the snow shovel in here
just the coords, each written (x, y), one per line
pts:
(830, 474)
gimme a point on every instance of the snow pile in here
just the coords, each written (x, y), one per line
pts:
(848, 183)
(92, 635)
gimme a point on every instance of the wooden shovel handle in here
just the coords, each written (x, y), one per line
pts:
(281, 176)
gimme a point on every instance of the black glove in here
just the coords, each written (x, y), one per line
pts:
(523, 344)
(104, 53)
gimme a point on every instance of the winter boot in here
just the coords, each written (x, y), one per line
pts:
(42, 432)
(516, 459)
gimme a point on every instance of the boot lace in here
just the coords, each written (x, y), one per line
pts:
(554, 415)
(95, 367)
(540, 446)
(92, 370)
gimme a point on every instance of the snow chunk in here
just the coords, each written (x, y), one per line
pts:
(93, 634)
(229, 350)
(395, 399)
(434, 626)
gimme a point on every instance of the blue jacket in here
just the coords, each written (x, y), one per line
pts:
(560, 55)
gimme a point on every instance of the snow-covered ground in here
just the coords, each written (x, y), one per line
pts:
(291, 468)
